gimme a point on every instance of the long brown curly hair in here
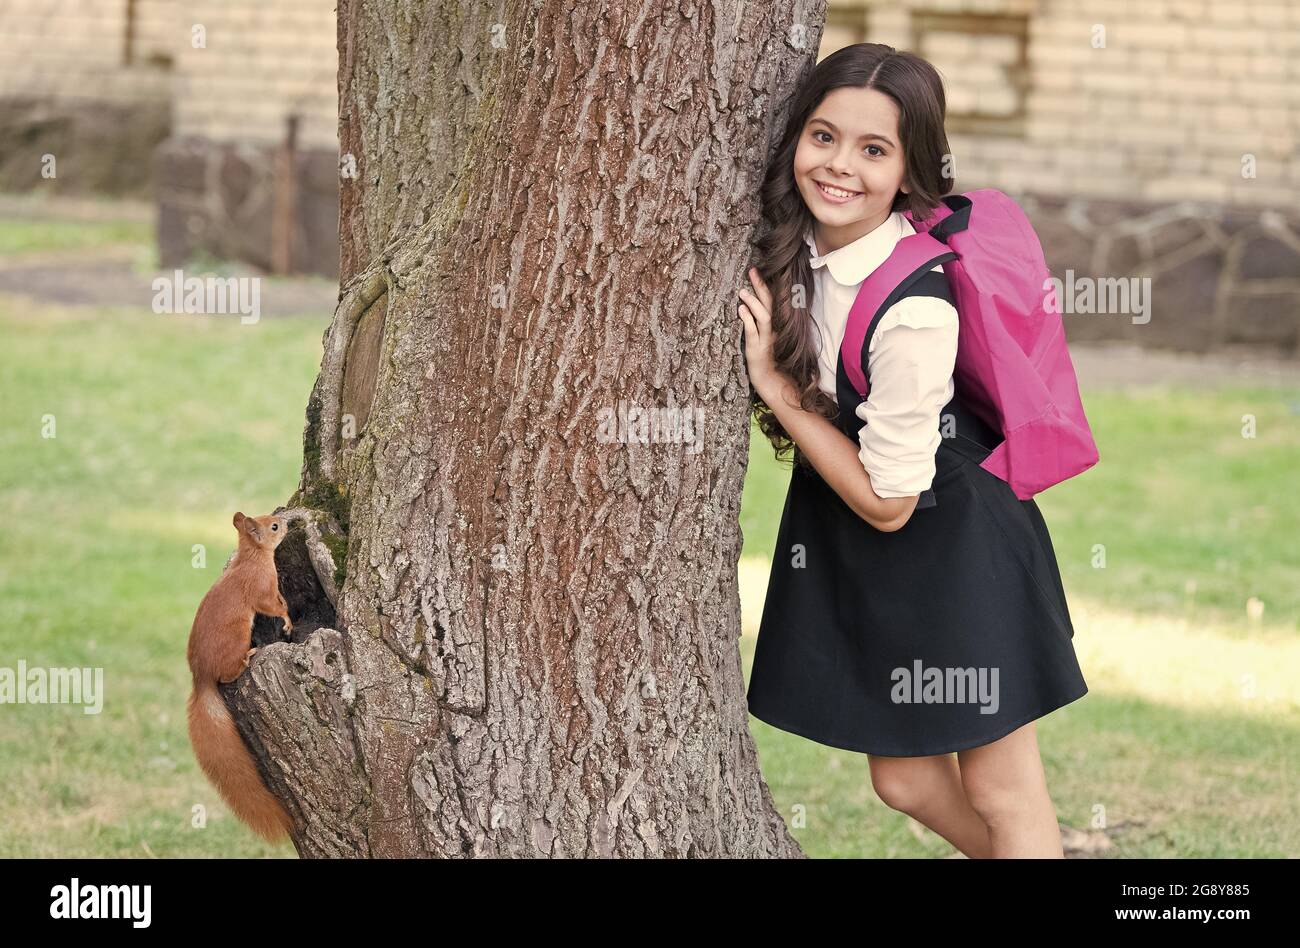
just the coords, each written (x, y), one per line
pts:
(782, 262)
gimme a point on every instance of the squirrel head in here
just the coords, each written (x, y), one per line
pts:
(265, 532)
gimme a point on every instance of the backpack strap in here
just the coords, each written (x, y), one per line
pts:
(954, 222)
(911, 259)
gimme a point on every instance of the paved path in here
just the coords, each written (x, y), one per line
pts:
(112, 276)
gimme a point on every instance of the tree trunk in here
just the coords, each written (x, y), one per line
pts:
(516, 623)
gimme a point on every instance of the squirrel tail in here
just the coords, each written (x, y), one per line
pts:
(224, 758)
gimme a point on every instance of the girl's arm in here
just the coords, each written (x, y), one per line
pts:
(833, 455)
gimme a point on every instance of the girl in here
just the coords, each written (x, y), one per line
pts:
(915, 608)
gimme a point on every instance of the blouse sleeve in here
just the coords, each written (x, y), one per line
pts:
(910, 360)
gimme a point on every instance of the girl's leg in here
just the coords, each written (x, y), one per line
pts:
(929, 789)
(1005, 784)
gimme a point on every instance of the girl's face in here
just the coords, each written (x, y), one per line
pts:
(848, 164)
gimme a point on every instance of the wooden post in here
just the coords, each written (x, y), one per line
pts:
(285, 211)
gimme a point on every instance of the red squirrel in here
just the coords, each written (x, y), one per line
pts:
(219, 652)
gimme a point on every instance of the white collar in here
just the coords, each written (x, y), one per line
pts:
(854, 262)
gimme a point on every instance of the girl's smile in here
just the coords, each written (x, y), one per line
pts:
(836, 195)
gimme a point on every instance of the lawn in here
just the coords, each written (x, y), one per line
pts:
(56, 236)
(163, 425)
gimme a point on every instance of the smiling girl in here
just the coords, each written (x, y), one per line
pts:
(915, 610)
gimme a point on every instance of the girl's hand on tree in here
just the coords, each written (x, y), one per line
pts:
(756, 313)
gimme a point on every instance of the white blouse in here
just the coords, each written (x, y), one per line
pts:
(910, 360)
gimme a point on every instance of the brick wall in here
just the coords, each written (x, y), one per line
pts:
(262, 63)
(88, 83)
(79, 50)
(1151, 101)
(231, 70)
(1179, 97)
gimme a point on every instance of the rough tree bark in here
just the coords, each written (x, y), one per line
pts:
(514, 636)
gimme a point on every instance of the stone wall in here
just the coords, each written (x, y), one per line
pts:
(1218, 277)
(218, 199)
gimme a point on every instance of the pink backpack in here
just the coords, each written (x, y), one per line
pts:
(1013, 368)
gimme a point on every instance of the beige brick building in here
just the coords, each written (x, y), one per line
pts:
(1145, 139)
(87, 49)
(1162, 100)
(261, 64)
(190, 101)
(228, 70)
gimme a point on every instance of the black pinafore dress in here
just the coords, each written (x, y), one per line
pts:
(946, 634)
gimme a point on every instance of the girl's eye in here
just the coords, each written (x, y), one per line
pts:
(825, 138)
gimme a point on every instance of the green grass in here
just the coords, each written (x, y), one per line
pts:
(165, 425)
(1181, 496)
(44, 235)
